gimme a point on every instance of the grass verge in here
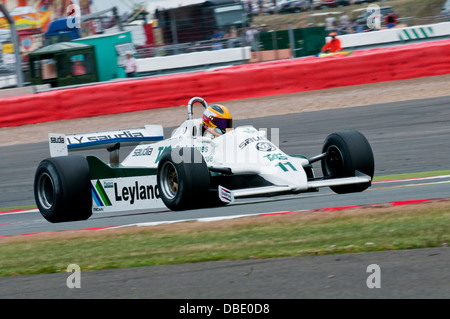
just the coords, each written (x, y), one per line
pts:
(411, 175)
(295, 234)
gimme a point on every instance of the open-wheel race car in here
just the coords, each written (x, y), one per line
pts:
(188, 170)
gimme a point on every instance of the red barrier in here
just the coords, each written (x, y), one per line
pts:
(238, 82)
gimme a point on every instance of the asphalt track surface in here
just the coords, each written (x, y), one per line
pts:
(405, 136)
(418, 273)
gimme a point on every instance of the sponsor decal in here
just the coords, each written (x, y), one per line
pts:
(202, 149)
(135, 192)
(249, 130)
(99, 195)
(225, 195)
(209, 159)
(108, 184)
(276, 157)
(57, 140)
(95, 138)
(161, 150)
(265, 147)
(108, 193)
(250, 140)
(143, 151)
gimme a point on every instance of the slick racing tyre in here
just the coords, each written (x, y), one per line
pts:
(62, 189)
(348, 151)
(183, 179)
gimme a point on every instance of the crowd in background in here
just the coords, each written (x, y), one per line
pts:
(345, 25)
(341, 25)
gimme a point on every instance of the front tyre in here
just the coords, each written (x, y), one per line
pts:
(348, 152)
(183, 179)
(62, 189)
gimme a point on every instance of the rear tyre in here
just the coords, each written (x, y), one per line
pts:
(183, 179)
(62, 189)
(348, 151)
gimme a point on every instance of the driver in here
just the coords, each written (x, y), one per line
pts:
(216, 121)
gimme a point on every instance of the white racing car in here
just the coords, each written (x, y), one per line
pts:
(188, 170)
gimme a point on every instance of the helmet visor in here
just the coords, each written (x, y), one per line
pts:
(222, 123)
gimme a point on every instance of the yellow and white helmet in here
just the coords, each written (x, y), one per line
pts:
(217, 119)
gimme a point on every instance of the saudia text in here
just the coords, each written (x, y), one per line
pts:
(94, 138)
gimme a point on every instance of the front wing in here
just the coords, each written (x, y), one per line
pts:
(229, 196)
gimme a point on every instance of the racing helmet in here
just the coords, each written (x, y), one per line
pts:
(217, 119)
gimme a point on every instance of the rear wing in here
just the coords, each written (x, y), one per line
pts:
(61, 145)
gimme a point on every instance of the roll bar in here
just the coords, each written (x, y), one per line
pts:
(191, 104)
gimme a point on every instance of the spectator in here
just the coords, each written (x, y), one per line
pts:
(130, 65)
(217, 39)
(333, 46)
(156, 15)
(233, 32)
(248, 8)
(344, 24)
(262, 28)
(232, 37)
(358, 28)
(250, 37)
(260, 8)
(331, 22)
(344, 20)
(390, 20)
(78, 68)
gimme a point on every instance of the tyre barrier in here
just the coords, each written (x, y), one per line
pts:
(236, 82)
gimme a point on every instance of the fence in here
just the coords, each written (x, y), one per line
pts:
(238, 82)
(8, 81)
(253, 44)
(8, 77)
(189, 47)
(267, 41)
(280, 40)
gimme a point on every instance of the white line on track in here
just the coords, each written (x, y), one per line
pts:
(15, 212)
(411, 179)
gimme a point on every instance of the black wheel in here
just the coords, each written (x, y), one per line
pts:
(183, 179)
(348, 151)
(62, 189)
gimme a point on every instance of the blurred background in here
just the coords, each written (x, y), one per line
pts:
(44, 41)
